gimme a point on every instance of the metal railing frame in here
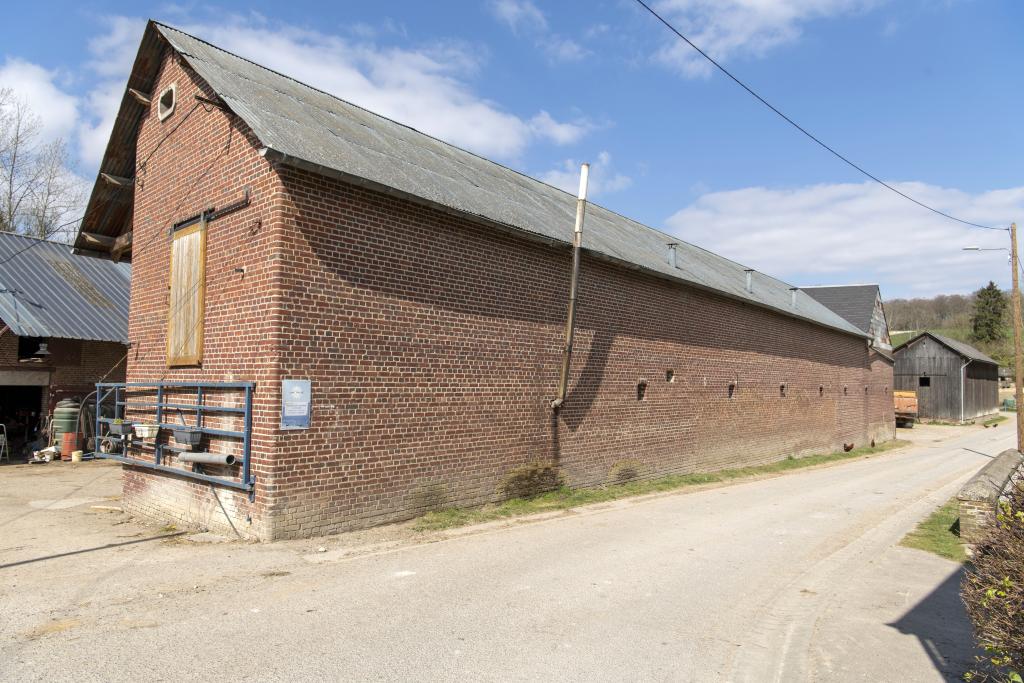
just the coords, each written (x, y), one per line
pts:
(119, 390)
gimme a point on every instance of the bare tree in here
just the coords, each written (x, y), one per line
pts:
(39, 192)
(57, 196)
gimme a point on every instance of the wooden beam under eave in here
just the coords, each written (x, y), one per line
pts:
(140, 97)
(122, 244)
(116, 180)
(93, 241)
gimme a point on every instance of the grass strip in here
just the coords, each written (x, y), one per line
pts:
(565, 497)
(995, 420)
(939, 533)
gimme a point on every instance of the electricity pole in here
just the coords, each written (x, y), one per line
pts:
(1018, 354)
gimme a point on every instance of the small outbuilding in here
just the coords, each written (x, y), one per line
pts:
(63, 327)
(953, 380)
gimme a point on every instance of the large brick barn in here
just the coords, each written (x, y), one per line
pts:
(279, 233)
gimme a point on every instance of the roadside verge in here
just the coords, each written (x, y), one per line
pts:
(566, 498)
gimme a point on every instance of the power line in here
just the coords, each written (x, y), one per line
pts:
(803, 130)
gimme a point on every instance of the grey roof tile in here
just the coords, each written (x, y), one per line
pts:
(309, 128)
(855, 303)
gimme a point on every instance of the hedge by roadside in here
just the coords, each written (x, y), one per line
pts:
(993, 591)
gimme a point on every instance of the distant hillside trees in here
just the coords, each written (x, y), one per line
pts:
(39, 192)
(944, 311)
(981, 319)
(988, 322)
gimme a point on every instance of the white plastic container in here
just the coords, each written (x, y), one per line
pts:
(146, 431)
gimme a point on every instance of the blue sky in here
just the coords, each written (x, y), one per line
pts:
(925, 93)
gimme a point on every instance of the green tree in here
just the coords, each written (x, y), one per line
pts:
(987, 321)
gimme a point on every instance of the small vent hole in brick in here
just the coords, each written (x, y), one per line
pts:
(821, 390)
(865, 390)
(782, 390)
(846, 390)
(670, 375)
(641, 389)
(732, 389)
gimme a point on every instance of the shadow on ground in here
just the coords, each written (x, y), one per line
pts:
(105, 546)
(941, 625)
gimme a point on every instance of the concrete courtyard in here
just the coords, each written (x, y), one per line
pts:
(790, 578)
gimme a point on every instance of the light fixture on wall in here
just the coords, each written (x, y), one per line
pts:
(26, 355)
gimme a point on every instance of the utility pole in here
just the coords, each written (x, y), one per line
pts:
(1018, 354)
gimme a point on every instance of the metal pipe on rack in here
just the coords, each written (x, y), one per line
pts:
(206, 458)
(248, 482)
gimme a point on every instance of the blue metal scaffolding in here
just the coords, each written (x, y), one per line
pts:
(119, 391)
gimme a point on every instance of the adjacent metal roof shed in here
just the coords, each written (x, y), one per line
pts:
(303, 127)
(48, 291)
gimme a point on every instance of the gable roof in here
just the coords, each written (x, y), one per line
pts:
(307, 128)
(855, 303)
(965, 350)
(48, 291)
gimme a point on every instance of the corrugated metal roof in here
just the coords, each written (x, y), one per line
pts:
(47, 291)
(965, 350)
(307, 128)
(856, 303)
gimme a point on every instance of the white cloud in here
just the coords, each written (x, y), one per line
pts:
(561, 133)
(525, 18)
(602, 180)
(104, 100)
(728, 28)
(843, 233)
(113, 54)
(519, 15)
(425, 88)
(57, 111)
(562, 49)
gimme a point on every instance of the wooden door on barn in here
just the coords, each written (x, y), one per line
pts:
(186, 305)
(925, 397)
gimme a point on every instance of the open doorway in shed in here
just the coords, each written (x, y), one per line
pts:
(21, 413)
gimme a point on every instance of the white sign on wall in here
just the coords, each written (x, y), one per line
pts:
(296, 403)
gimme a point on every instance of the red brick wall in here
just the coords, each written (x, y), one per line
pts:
(433, 345)
(8, 349)
(74, 365)
(433, 373)
(86, 362)
(206, 162)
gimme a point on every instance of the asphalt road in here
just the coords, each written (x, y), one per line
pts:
(792, 578)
